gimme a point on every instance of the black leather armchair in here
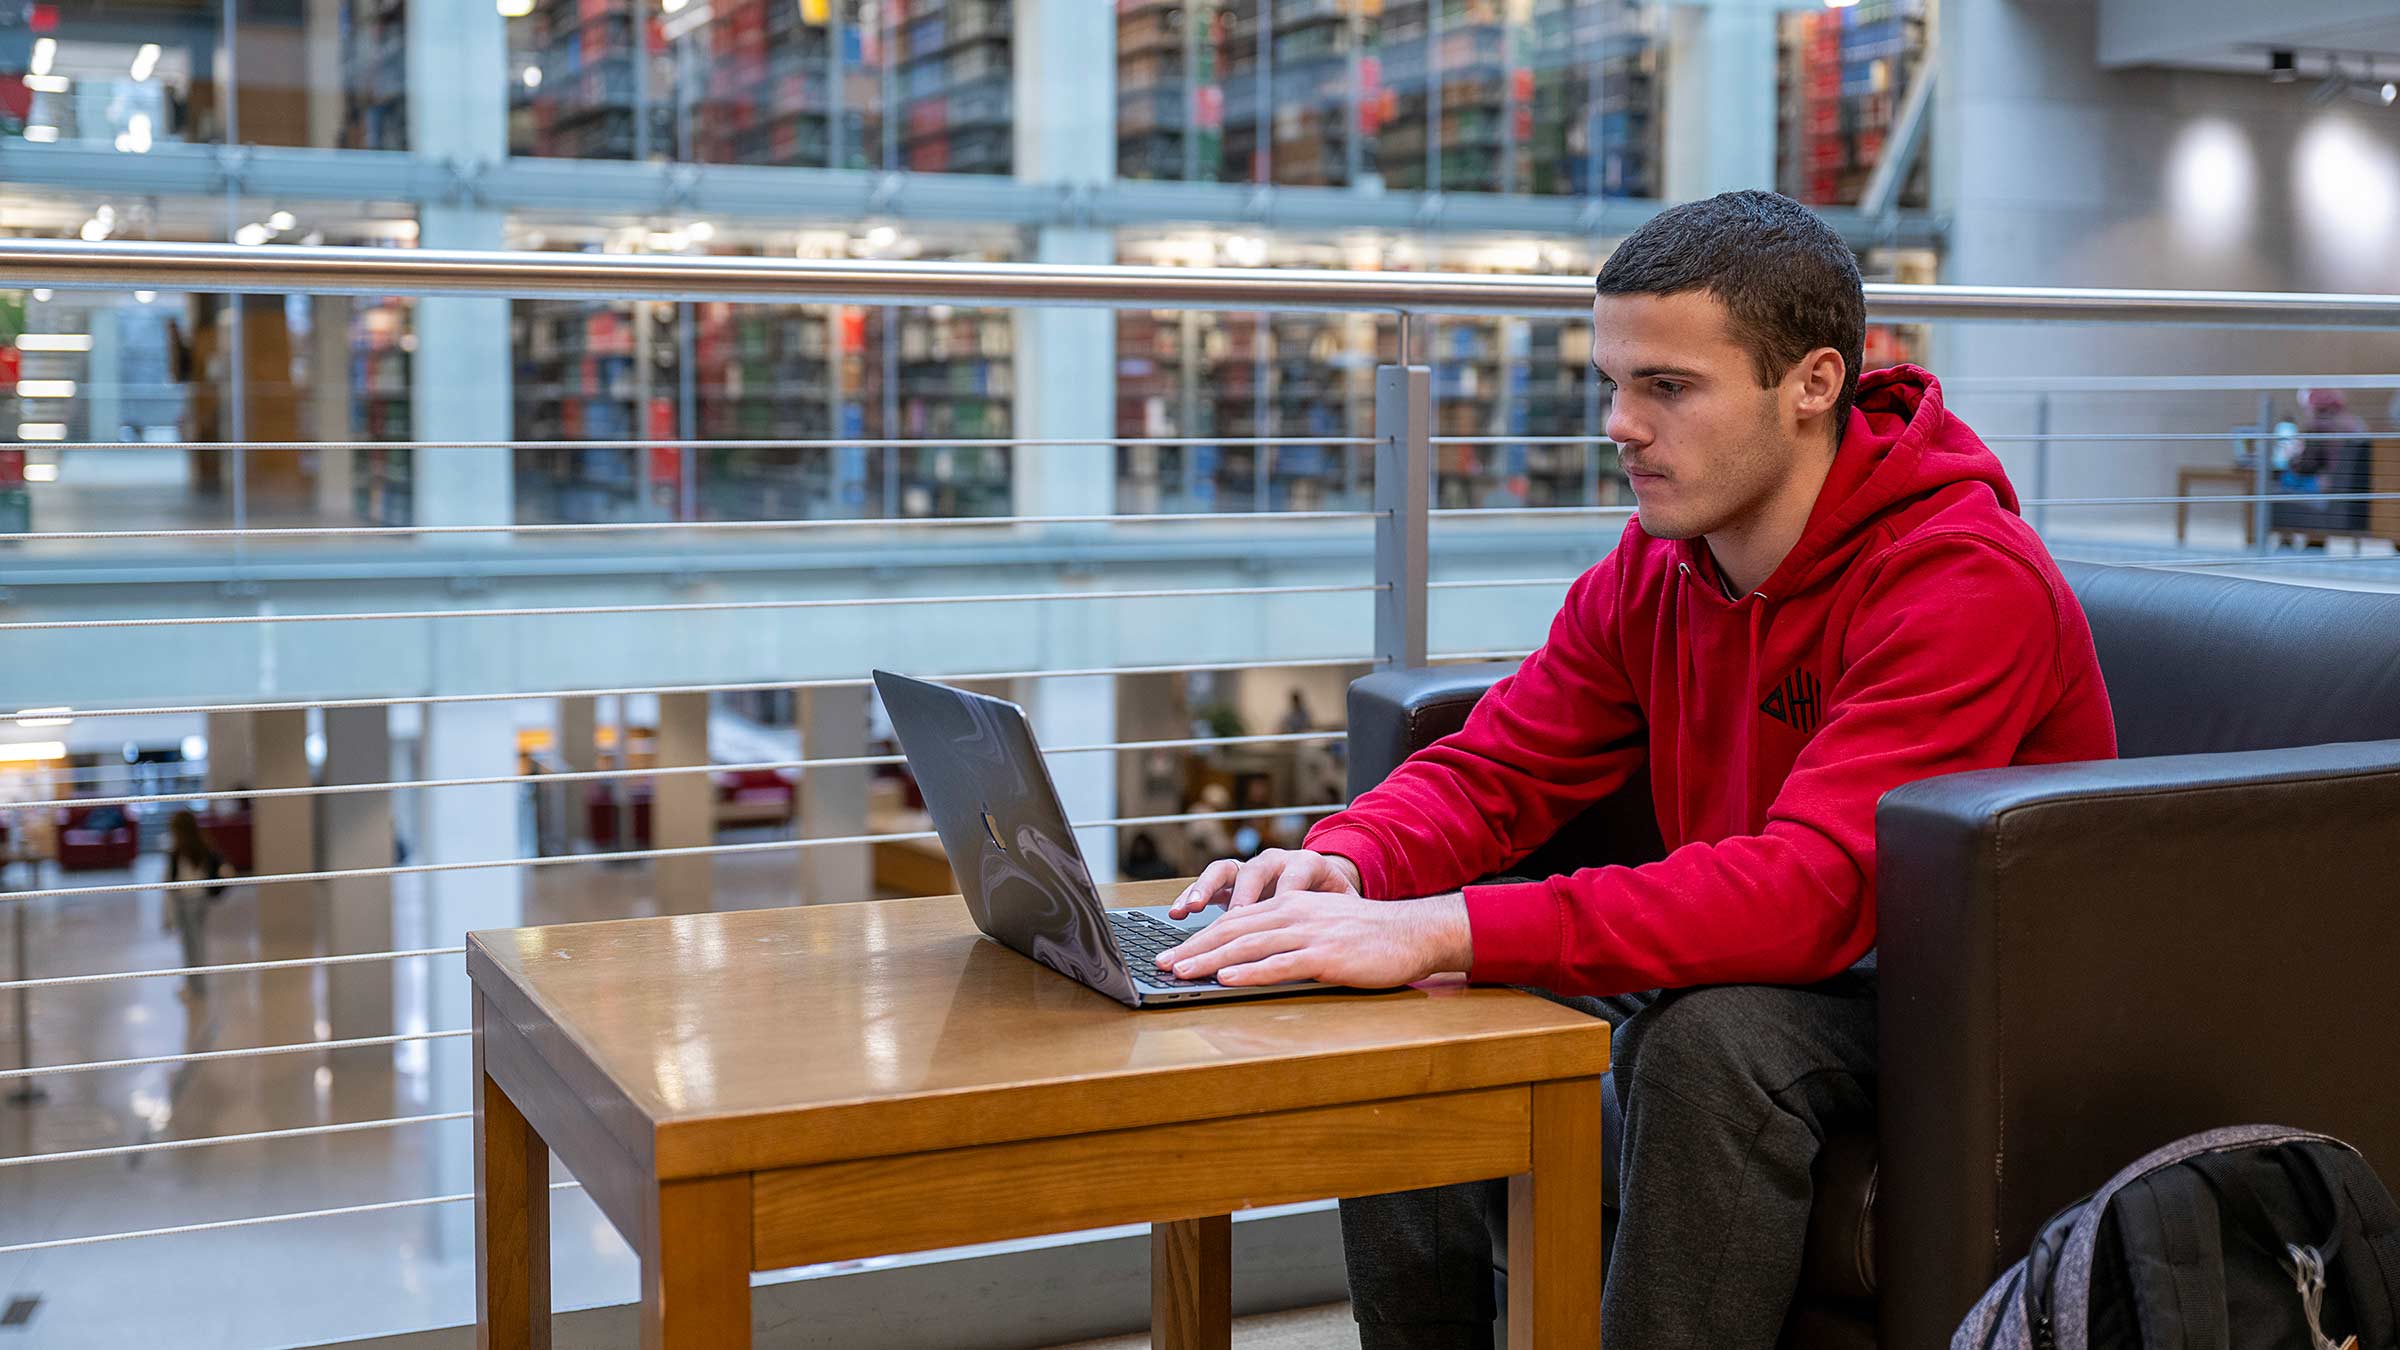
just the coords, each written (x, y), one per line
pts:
(2082, 961)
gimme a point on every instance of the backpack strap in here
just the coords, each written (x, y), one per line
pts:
(2168, 1230)
(2369, 1264)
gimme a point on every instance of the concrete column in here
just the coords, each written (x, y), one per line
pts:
(833, 802)
(578, 752)
(104, 394)
(323, 41)
(1066, 387)
(284, 838)
(329, 406)
(1720, 113)
(1080, 710)
(683, 807)
(1066, 91)
(460, 375)
(231, 764)
(354, 831)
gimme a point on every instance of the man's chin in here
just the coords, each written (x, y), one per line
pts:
(1667, 528)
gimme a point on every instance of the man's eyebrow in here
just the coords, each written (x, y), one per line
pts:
(1649, 372)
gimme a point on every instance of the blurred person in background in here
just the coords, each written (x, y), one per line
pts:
(191, 858)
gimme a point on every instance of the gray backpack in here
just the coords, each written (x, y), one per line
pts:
(2256, 1237)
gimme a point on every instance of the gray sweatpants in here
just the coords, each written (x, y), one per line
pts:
(1716, 1104)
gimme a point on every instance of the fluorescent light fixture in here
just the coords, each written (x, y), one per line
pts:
(45, 51)
(41, 473)
(48, 84)
(32, 752)
(281, 221)
(515, 9)
(42, 135)
(41, 431)
(54, 342)
(145, 61)
(45, 389)
(32, 718)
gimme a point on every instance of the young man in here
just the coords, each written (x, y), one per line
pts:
(1827, 593)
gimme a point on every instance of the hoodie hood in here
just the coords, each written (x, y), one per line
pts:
(1901, 448)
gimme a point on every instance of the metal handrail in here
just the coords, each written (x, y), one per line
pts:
(301, 269)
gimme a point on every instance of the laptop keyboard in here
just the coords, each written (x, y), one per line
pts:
(1141, 938)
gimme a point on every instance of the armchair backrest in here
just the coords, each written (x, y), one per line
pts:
(2197, 664)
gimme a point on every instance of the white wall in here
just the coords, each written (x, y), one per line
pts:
(2056, 172)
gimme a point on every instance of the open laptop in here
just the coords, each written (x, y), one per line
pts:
(993, 804)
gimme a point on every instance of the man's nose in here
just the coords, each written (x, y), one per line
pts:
(1622, 427)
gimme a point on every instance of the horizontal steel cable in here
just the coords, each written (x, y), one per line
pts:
(743, 687)
(222, 1224)
(624, 855)
(659, 771)
(1520, 440)
(2225, 499)
(683, 607)
(207, 1140)
(269, 534)
(673, 443)
(228, 968)
(215, 1056)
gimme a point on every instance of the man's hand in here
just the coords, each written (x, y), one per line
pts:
(1333, 937)
(1277, 871)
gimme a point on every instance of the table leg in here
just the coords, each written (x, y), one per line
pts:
(1191, 1284)
(696, 1267)
(512, 1219)
(1554, 1224)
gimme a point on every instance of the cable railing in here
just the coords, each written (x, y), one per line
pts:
(1403, 515)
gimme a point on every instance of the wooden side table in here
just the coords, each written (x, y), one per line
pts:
(769, 1088)
(2242, 481)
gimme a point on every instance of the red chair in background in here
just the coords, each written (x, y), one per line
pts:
(95, 839)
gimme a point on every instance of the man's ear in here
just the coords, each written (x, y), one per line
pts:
(1820, 375)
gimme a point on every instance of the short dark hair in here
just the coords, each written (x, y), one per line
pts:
(1787, 279)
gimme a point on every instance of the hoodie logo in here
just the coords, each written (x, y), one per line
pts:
(1795, 702)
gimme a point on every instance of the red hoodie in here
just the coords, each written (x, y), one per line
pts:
(1918, 628)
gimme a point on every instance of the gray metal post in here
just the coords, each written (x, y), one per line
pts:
(2262, 473)
(1403, 501)
(2041, 462)
(28, 1091)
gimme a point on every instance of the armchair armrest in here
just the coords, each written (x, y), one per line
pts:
(1396, 713)
(2082, 961)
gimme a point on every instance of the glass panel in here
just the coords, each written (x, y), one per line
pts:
(1845, 73)
(799, 83)
(131, 82)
